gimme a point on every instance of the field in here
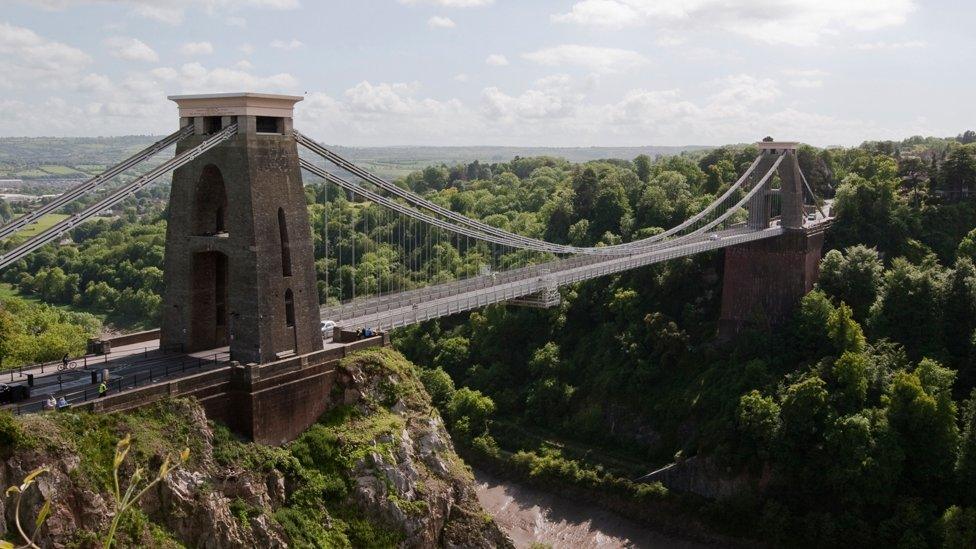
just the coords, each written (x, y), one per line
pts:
(60, 170)
(44, 223)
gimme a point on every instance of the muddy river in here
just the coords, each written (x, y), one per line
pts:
(530, 516)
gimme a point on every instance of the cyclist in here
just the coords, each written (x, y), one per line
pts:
(64, 361)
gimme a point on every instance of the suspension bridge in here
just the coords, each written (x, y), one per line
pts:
(239, 267)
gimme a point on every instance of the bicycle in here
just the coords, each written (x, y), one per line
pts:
(69, 366)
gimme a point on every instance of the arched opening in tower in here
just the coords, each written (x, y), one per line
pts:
(210, 214)
(285, 246)
(209, 321)
(290, 317)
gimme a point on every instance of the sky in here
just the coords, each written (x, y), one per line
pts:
(501, 72)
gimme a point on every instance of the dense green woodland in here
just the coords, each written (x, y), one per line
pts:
(856, 422)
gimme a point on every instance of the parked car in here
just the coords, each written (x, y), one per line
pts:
(714, 237)
(327, 327)
(13, 393)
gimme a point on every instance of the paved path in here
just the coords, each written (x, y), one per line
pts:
(129, 366)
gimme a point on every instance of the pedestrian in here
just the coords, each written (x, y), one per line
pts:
(50, 403)
(62, 403)
(102, 390)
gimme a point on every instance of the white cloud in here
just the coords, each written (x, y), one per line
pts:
(382, 98)
(806, 78)
(26, 57)
(198, 79)
(246, 49)
(809, 73)
(461, 77)
(601, 13)
(438, 22)
(871, 46)
(550, 98)
(172, 12)
(449, 3)
(292, 44)
(130, 49)
(496, 60)
(171, 15)
(589, 57)
(196, 48)
(369, 111)
(235, 21)
(244, 65)
(669, 40)
(95, 83)
(164, 73)
(806, 83)
(797, 22)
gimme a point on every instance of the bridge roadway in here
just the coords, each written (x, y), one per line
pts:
(139, 365)
(402, 309)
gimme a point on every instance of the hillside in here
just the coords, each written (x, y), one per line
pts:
(42, 158)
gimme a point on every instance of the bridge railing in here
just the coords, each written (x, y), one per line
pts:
(41, 369)
(355, 312)
(410, 314)
(392, 301)
(136, 379)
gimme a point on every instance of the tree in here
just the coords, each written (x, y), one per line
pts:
(435, 177)
(610, 208)
(6, 213)
(909, 308)
(967, 247)
(469, 412)
(453, 355)
(559, 214)
(959, 169)
(959, 316)
(914, 174)
(869, 211)
(439, 385)
(579, 233)
(853, 277)
(844, 332)
(926, 427)
(813, 317)
(958, 528)
(586, 186)
(642, 165)
(545, 360)
(850, 375)
(758, 423)
(8, 330)
(966, 463)
(806, 412)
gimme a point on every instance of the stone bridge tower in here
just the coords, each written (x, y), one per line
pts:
(764, 280)
(239, 266)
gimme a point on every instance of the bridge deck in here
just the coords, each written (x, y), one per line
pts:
(130, 366)
(389, 312)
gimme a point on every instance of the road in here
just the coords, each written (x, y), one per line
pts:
(129, 366)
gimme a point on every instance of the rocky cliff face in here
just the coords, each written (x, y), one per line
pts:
(410, 475)
(379, 470)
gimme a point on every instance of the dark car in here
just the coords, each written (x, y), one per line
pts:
(13, 393)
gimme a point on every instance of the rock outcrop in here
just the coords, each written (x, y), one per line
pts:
(416, 481)
(387, 467)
